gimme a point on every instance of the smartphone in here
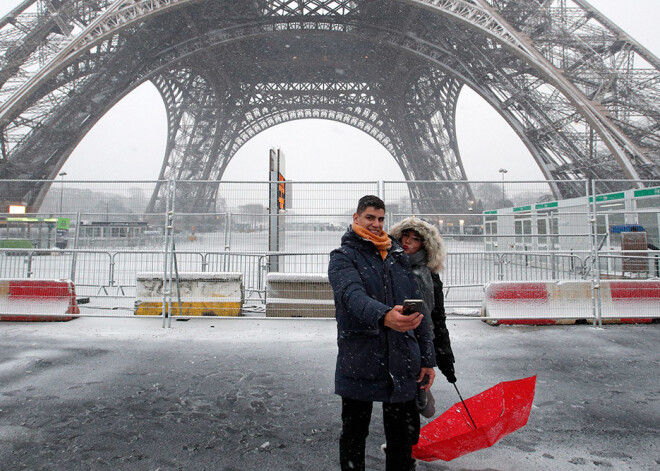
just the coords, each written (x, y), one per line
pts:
(412, 305)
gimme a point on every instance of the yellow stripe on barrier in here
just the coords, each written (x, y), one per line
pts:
(211, 309)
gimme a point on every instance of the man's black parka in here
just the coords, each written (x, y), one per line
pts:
(374, 362)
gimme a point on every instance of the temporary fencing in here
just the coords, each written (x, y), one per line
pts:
(104, 235)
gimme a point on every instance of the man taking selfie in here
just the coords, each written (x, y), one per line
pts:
(383, 353)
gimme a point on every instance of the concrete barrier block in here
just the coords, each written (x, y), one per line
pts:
(299, 295)
(202, 294)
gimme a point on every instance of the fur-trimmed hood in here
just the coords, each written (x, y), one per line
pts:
(433, 243)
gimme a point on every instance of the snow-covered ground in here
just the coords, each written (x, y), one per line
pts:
(257, 394)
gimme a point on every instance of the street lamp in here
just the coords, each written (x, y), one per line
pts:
(502, 171)
(62, 174)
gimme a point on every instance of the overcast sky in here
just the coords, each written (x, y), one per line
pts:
(128, 143)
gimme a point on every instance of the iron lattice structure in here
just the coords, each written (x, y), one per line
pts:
(582, 95)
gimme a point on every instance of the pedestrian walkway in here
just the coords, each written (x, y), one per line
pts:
(257, 394)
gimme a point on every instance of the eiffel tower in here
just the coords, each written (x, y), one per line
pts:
(581, 94)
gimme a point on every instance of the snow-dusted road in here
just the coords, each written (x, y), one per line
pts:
(256, 394)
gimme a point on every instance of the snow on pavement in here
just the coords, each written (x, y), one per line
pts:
(257, 394)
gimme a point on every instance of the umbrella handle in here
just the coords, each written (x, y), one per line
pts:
(466, 409)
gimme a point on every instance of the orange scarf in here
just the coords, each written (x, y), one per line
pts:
(382, 241)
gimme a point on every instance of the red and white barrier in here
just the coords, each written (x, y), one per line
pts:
(37, 300)
(562, 302)
(630, 300)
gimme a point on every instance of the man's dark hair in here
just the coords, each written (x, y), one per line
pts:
(369, 200)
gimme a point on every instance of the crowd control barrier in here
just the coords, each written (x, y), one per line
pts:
(564, 302)
(32, 299)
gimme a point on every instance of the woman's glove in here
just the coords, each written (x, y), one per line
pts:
(447, 368)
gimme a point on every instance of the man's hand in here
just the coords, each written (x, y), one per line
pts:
(396, 320)
(430, 372)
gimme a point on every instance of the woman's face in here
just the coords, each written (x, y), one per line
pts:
(411, 242)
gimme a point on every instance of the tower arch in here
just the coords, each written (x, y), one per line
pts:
(546, 66)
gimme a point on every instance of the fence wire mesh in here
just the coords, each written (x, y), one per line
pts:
(202, 248)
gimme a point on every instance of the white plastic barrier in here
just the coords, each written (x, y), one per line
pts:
(29, 299)
(630, 300)
(563, 302)
(299, 295)
(202, 294)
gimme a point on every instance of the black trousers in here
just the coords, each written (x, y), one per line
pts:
(401, 422)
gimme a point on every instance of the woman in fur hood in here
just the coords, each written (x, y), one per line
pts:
(426, 251)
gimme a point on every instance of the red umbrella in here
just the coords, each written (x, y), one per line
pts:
(491, 415)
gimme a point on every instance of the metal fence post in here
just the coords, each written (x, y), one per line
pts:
(227, 230)
(227, 241)
(111, 271)
(28, 262)
(262, 264)
(595, 272)
(172, 262)
(166, 255)
(74, 255)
